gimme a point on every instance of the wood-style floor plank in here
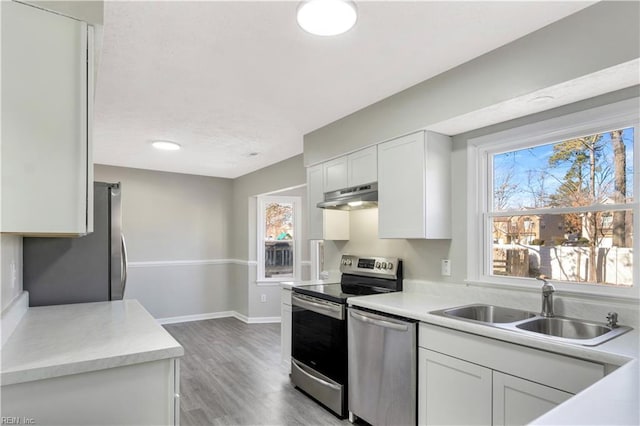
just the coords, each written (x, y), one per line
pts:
(231, 375)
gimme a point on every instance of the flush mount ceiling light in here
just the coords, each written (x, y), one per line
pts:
(166, 145)
(327, 17)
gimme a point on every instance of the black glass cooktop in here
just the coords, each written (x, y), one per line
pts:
(337, 292)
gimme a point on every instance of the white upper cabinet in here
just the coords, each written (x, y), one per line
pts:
(414, 187)
(323, 224)
(47, 99)
(362, 166)
(350, 170)
(335, 174)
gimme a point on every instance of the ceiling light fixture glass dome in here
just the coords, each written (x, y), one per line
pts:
(327, 17)
(166, 145)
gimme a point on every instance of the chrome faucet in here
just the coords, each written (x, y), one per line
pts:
(612, 319)
(547, 297)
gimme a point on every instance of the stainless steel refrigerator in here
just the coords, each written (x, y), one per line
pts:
(92, 268)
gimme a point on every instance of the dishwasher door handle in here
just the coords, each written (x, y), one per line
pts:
(397, 326)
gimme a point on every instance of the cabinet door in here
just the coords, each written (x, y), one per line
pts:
(452, 391)
(401, 187)
(285, 328)
(323, 224)
(335, 174)
(362, 166)
(46, 159)
(517, 401)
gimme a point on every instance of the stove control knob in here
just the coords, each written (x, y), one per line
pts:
(384, 265)
(390, 265)
(377, 265)
(348, 262)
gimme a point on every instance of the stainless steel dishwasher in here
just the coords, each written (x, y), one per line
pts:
(382, 368)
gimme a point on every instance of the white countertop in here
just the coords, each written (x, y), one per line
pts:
(612, 400)
(290, 284)
(53, 341)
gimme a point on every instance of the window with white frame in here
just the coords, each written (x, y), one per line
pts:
(278, 238)
(557, 198)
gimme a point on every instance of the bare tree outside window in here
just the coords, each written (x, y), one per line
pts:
(278, 244)
(564, 209)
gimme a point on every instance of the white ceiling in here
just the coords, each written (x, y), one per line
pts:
(226, 79)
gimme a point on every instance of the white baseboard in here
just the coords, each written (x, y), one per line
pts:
(12, 315)
(214, 315)
(196, 317)
(257, 320)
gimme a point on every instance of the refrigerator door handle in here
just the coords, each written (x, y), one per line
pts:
(125, 265)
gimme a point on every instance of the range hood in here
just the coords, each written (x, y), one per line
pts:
(354, 198)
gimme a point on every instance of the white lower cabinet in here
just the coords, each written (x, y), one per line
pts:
(452, 391)
(469, 379)
(285, 327)
(517, 401)
(138, 394)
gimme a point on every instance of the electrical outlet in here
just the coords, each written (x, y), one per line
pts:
(445, 267)
(263, 298)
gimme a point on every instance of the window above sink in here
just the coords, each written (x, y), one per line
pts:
(557, 198)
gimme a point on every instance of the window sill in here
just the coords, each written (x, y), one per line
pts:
(275, 283)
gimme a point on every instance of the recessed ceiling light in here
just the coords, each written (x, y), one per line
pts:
(166, 145)
(327, 17)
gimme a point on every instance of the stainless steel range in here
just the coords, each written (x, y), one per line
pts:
(319, 332)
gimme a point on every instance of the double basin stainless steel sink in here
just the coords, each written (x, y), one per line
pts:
(567, 330)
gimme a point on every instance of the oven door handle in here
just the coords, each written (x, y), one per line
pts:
(301, 369)
(321, 308)
(398, 326)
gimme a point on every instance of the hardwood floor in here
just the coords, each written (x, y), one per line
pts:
(231, 375)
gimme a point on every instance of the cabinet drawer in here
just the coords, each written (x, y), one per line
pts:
(558, 371)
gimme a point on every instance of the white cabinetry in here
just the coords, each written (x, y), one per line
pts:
(414, 187)
(140, 394)
(460, 372)
(285, 328)
(323, 224)
(517, 401)
(357, 168)
(453, 391)
(47, 98)
(362, 166)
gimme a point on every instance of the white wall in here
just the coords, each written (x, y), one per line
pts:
(178, 237)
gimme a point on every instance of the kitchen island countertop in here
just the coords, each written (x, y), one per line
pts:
(54, 341)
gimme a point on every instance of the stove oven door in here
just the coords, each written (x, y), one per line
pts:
(319, 350)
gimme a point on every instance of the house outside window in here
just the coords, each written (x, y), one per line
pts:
(278, 238)
(557, 198)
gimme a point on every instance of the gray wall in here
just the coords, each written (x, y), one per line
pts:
(590, 40)
(283, 175)
(178, 231)
(189, 239)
